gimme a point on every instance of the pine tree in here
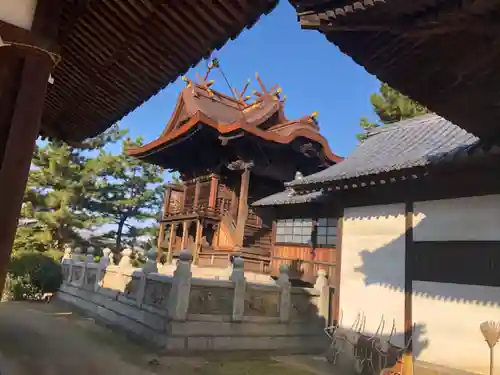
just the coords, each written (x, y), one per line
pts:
(128, 190)
(57, 192)
(390, 106)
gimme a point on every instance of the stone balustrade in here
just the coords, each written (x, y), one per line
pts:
(180, 312)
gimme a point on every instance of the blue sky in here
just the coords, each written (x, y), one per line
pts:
(314, 75)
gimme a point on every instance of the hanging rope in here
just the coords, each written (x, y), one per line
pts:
(55, 57)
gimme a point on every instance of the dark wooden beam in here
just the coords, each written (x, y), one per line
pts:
(408, 285)
(22, 37)
(20, 129)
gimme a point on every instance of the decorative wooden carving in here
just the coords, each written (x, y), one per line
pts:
(239, 165)
(211, 300)
(309, 150)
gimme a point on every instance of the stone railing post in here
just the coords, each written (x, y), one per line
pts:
(285, 294)
(321, 285)
(149, 267)
(126, 261)
(66, 263)
(181, 287)
(78, 258)
(89, 258)
(77, 254)
(107, 259)
(239, 282)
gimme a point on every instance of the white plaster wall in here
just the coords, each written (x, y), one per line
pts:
(451, 327)
(373, 267)
(462, 219)
(18, 12)
(450, 314)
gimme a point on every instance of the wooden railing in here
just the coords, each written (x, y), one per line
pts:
(193, 210)
(253, 219)
(253, 263)
(305, 270)
(223, 205)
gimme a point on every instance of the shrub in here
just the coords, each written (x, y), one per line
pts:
(31, 274)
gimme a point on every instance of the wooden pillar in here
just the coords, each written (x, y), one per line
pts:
(234, 204)
(242, 207)
(164, 212)
(408, 319)
(214, 184)
(185, 228)
(26, 81)
(171, 242)
(196, 193)
(197, 241)
(338, 270)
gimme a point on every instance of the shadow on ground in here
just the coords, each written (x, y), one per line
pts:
(45, 339)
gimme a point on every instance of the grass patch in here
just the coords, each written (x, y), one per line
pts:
(228, 365)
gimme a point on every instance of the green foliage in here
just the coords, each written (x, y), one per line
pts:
(31, 274)
(57, 194)
(390, 106)
(126, 189)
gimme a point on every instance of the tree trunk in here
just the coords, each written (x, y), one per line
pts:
(119, 233)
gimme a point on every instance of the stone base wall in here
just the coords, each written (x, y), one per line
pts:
(181, 313)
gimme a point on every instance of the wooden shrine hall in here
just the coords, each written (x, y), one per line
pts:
(69, 69)
(229, 152)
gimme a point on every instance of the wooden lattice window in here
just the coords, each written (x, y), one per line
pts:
(326, 232)
(294, 231)
(318, 232)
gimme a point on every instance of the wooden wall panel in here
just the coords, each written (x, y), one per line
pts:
(204, 195)
(457, 262)
(306, 271)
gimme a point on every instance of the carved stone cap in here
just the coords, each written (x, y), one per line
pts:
(238, 262)
(185, 256)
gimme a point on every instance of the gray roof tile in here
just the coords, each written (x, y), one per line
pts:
(288, 197)
(410, 143)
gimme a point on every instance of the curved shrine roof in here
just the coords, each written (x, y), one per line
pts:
(200, 106)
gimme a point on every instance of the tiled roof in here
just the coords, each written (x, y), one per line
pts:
(410, 143)
(289, 197)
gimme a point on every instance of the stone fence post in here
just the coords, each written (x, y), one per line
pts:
(66, 264)
(78, 258)
(149, 267)
(107, 259)
(239, 282)
(125, 260)
(285, 294)
(181, 287)
(321, 285)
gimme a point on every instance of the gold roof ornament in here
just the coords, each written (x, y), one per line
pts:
(273, 93)
(189, 83)
(203, 81)
(240, 96)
